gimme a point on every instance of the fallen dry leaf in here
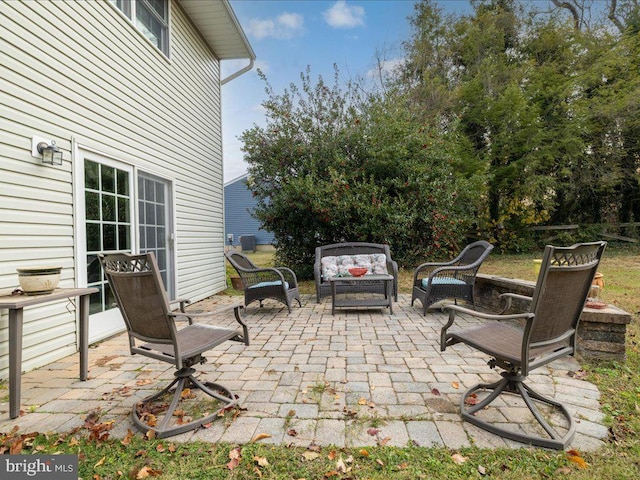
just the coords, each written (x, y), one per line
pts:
(309, 456)
(458, 459)
(186, 393)
(379, 462)
(362, 401)
(147, 471)
(260, 436)
(150, 419)
(579, 462)
(341, 466)
(382, 442)
(100, 462)
(471, 400)
(261, 461)
(291, 432)
(482, 470)
(233, 463)
(364, 452)
(580, 374)
(435, 391)
(314, 447)
(92, 418)
(455, 385)
(373, 431)
(349, 413)
(16, 448)
(332, 454)
(127, 438)
(235, 455)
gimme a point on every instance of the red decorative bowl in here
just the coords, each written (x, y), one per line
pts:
(358, 271)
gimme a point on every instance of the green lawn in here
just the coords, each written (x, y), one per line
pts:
(618, 383)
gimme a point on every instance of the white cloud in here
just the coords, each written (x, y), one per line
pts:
(284, 26)
(386, 68)
(342, 15)
(292, 21)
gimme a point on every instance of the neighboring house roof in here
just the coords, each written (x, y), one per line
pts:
(220, 28)
(242, 177)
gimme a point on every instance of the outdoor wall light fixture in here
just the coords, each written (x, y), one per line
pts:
(51, 154)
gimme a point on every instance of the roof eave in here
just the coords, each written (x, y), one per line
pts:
(219, 26)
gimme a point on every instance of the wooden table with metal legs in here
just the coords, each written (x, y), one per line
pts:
(16, 305)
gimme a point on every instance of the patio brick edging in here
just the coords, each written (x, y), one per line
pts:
(601, 333)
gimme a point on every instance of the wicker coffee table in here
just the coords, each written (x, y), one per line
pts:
(338, 300)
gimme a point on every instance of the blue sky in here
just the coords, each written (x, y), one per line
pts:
(289, 35)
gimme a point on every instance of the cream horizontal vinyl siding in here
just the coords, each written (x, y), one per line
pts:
(90, 78)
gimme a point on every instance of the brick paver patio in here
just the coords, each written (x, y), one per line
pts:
(312, 377)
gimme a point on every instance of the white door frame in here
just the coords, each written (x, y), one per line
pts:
(109, 322)
(112, 318)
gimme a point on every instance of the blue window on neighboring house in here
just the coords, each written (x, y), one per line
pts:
(151, 17)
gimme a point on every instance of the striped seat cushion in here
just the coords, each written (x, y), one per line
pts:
(270, 284)
(442, 281)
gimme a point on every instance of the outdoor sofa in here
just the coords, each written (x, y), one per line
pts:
(337, 258)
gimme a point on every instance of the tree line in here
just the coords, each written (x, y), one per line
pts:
(500, 119)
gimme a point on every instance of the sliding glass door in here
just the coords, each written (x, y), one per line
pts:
(112, 223)
(155, 232)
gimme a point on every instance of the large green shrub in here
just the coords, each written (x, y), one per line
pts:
(332, 166)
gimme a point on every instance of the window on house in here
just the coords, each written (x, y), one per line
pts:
(108, 224)
(151, 17)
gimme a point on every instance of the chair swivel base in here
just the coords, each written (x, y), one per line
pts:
(184, 379)
(514, 384)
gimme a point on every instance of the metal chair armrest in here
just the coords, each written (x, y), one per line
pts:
(183, 304)
(194, 315)
(508, 297)
(453, 309)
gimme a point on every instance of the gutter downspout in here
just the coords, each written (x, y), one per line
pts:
(239, 72)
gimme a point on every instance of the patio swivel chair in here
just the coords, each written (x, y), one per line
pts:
(279, 283)
(140, 295)
(455, 279)
(546, 332)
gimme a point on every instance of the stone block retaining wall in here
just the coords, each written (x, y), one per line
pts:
(601, 332)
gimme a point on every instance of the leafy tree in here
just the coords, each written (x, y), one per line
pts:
(547, 101)
(336, 165)
(612, 85)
